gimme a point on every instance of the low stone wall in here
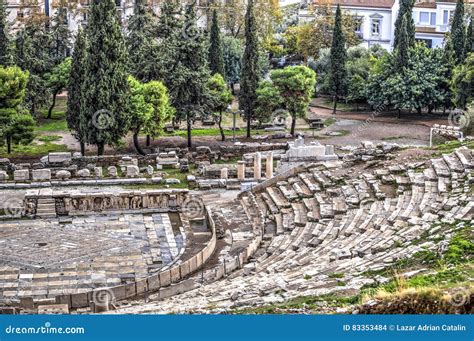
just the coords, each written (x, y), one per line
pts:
(167, 282)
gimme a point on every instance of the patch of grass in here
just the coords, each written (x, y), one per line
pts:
(450, 146)
(461, 247)
(49, 138)
(329, 121)
(391, 138)
(307, 277)
(336, 275)
(168, 174)
(213, 132)
(52, 125)
(32, 150)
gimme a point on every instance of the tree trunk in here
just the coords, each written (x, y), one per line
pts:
(399, 113)
(9, 144)
(100, 148)
(148, 140)
(232, 88)
(418, 110)
(335, 105)
(293, 125)
(83, 148)
(188, 122)
(220, 127)
(137, 144)
(248, 124)
(50, 111)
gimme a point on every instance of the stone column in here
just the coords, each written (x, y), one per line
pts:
(257, 166)
(224, 173)
(241, 170)
(269, 166)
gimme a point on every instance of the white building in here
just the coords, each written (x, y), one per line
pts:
(377, 19)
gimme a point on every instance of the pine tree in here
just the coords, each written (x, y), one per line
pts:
(76, 79)
(187, 81)
(458, 32)
(250, 70)
(216, 56)
(338, 60)
(141, 42)
(5, 57)
(401, 52)
(105, 89)
(60, 34)
(406, 10)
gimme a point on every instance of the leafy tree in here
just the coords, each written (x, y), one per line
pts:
(57, 80)
(141, 42)
(449, 63)
(309, 39)
(60, 34)
(296, 88)
(356, 90)
(74, 97)
(157, 97)
(16, 126)
(105, 89)
(140, 111)
(408, 27)
(220, 98)
(268, 101)
(250, 71)
(463, 83)
(338, 60)
(458, 32)
(5, 53)
(216, 56)
(33, 54)
(232, 50)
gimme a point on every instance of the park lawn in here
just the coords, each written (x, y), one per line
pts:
(58, 120)
(32, 150)
(212, 132)
(341, 106)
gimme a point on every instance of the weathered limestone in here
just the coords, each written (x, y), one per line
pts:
(83, 173)
(3, 176)
(241, 170)
(98, 172)
(59, 157)
(150, 170)
(133, 171)
(269, 166)
(224, 173)
(63, 174)
(257, 166)
(112, 170)
(41, 174)
(21, 175)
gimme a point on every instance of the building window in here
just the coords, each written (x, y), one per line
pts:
(447, 14)
(424, 17)
(375, 27)
(358, 27)
(433, 19)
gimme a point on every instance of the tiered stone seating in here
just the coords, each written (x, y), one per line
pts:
(326, 224)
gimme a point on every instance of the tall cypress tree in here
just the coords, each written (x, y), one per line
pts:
(401, 52)
(458, 32)
(338, 60)
(216, 55)
(74, 97)
(405, 10)
(105, 89)
(60, 34)
(140, 42)
(189, 72)
(5, 57)
(469, 46)
(250, 70)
